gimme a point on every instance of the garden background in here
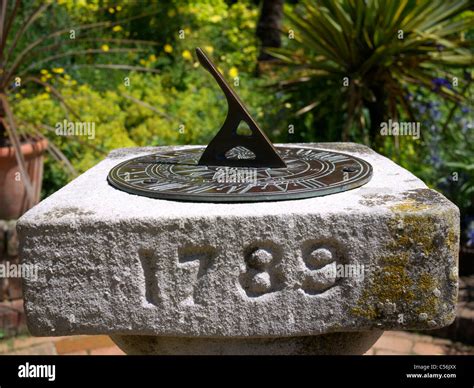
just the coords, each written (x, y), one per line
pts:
(332, 71)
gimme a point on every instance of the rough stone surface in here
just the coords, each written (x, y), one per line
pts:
(119, 264)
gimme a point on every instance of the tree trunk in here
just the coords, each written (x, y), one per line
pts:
(269, 25)
(378, 114)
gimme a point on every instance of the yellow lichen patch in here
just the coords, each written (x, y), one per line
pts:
(409, 205)
(368, 312)
(409, 231)
(392, 284)
(452, 239)
(426, 282)
(413, 237)
(428, 302)
(395, 285)
(399, 260)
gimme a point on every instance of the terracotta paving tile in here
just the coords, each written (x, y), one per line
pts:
(425, 348)
(45, 349)
(394, 343)
(73, 344)
(110, 351)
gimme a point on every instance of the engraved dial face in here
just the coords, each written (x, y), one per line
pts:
(176, 175)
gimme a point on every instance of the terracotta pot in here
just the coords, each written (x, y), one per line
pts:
(13, 198)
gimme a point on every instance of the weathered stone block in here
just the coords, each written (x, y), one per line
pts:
(118, 264)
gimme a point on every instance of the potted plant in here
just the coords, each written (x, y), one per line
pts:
(21, 59)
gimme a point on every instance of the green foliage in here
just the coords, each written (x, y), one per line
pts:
(355, 64)
(364, 55)
(54, 177)
(458, 181)
(448, 164)
(180, 105)
(36, 35)
(147, 113)
(227, 30)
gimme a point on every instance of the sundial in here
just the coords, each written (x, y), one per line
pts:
(238, 167)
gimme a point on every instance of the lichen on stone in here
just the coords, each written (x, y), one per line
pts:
(413, 237)
(391, 283)
(409, 205)
(429, 303)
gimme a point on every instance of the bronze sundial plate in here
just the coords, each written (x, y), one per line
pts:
(176, 175)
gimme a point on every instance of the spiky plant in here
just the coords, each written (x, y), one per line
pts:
(364, 54)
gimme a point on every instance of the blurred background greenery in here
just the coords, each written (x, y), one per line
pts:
(137, 78)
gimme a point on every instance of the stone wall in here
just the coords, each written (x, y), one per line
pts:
(12, 317)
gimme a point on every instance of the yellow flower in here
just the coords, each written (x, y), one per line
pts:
(187, 31)
(105, 47)
(152, 58)
(142, 62)
(187, 55)
(111, 10)
(117, 29)
(168, 49)
(58, 70)
(209, 49)
(44, 71)
(67, 76)
(43, 79)
(233, 72)
(118, 8)
(215, 18)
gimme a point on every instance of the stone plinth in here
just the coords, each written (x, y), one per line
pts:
(302, 276)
